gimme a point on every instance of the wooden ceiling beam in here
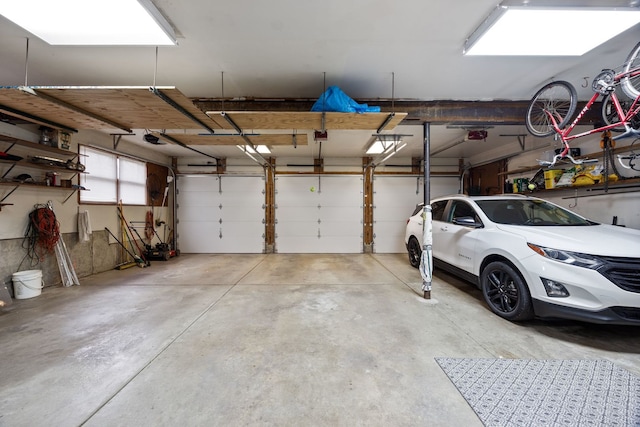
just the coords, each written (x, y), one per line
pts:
(434, 112)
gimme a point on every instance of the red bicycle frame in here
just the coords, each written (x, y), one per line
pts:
(623, 116)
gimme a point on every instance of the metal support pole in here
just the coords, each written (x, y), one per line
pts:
(426, 261)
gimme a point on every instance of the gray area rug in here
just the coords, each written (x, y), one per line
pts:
(516, 392)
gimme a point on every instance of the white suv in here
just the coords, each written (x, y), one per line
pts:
(533, 258)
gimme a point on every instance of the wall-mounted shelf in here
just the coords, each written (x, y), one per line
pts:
(38, 162)
(562, 165)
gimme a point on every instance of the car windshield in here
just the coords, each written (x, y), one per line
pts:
(532, 212)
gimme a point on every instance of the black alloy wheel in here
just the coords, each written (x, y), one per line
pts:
(415, 252)
(505, 292)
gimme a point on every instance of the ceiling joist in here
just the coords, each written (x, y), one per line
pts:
(279, 120)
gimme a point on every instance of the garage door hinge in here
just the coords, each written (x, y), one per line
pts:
(221, 233)
(319, 233)
(319, 221)
(220, 220)
(220, 206)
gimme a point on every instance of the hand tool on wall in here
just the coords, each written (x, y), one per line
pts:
(139, 261)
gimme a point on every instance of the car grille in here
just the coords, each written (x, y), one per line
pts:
(623, 272)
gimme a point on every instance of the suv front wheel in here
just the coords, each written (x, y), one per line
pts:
(505, 292)
(415, 252)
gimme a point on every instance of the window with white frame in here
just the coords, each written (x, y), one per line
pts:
(112, 177)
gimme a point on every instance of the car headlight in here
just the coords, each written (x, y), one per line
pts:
(567, 257)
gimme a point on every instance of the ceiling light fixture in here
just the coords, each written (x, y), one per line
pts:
(391, 144)
(529, 30)
(383, 142)
(262, 149)
(81, 22)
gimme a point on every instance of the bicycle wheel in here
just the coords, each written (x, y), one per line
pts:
(610, 115)
(558, 98)
(631, 83)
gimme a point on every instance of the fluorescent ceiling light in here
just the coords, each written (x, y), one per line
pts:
(263, 149)
(376, 147)
(384, 141)
(91, 22)
(552, 31)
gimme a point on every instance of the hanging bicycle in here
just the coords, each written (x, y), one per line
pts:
(553, 106)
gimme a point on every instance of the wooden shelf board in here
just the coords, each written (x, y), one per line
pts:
(128, 107)
(264, 139)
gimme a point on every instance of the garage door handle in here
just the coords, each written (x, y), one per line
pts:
(443, 228)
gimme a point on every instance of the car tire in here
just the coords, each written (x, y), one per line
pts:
(415, 252)
(506, 292)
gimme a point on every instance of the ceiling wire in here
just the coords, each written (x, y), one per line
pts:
(222, 84)
(393, 89)
(26, 64)
(155, 68)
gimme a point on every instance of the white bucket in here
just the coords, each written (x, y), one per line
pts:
(27, 284)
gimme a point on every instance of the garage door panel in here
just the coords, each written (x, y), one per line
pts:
(340, 228)
(336, 244)
(395, 198)
(338, 220)
(350, 213)
(196, 199)
(211, 206)
(241, 230)
(199, 228)
(198, 215)
(297, 213)
(299, 228)
(238, 199)
(202, 184)
(242, 215)
(236, 185)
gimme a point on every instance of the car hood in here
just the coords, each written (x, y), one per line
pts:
(602, 239)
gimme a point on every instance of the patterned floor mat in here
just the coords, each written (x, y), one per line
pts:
(516, 392)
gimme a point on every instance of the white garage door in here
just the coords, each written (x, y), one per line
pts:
(220, 214)
(319, 214)
(394, 199)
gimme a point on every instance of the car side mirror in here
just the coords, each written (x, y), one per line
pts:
(467, 221)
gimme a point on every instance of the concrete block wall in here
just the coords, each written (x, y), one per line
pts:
(94, 256)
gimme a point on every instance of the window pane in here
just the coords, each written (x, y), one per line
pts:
(100, 178)
(133, 178)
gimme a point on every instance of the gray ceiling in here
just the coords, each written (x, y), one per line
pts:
(405, 49)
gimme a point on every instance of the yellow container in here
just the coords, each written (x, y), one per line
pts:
(551, 177)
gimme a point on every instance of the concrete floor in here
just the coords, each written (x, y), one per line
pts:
(287, 340)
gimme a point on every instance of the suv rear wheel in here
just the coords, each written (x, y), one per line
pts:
(505, 292)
